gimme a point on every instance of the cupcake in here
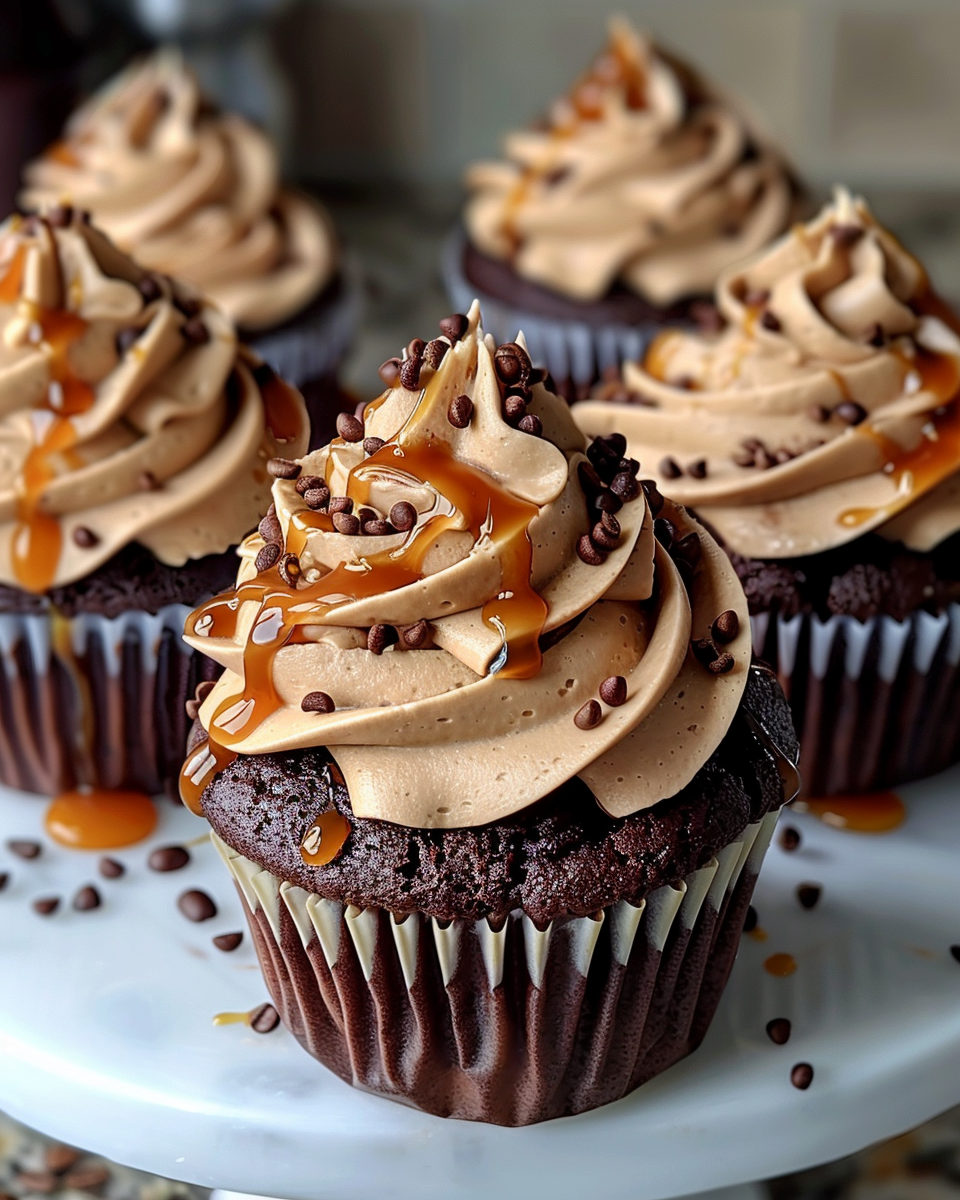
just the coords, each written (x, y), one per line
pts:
(135, 439)
(194, 193)
(488, 761)
(819, 437)
(616, 215)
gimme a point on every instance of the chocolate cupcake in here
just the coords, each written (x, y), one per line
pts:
(819, 436)
(194, 193)
(617, 214)
(135, 438)
(488, 760)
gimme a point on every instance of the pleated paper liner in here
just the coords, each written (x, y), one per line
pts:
(876, 703)
(508, 1025)
(95, 700)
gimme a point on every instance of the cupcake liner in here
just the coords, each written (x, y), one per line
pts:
(574, 352)
(95, 700)
(876, 703)
(509, 1025)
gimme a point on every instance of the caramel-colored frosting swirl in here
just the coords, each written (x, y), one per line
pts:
(189, 191)
(127, 412)
(643, 176)
(461, 667)
(827, 408)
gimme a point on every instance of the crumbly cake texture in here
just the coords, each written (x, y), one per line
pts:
(562, 856)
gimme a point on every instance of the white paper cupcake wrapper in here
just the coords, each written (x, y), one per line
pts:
(94, 699)
(513, 1024)
(876, 703)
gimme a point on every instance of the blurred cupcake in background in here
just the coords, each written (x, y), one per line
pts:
(135, 445)
(819, 436)
(617, 214)
(195, 193)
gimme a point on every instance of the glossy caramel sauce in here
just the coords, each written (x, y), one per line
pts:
(60, 152)
(325, 838)
(99, 819)
(203, 762)
(869, 812)
(780, 965)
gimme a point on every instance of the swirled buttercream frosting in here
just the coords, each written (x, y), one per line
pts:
(642, 176)
(829, 406)
(190, 191)
(128, 413)
(468, 605)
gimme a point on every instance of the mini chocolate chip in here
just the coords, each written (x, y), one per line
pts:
(379, 637)
(110, 868)
(778, 1031)
(23, 848)
(266, 557)
(756, 297)
(802, 1076)
(459, 411)
(876, 336)
(349, 427)
(790, 838)
(764, 459)
(846, 234)
(317, 498)
(168, 858)
(704, 650)
(514, 408)
(86, 899)
(4, 879)
(850, 412)
(37, 1182)
(750, 921)
(697, 469)
(148, 482)
(149, 288)
(194, 331)
(264, 1019)
(652, 493)
(434, 351)
(86, 1179)
(85, 538)
(306, 482)
(317, 702)
(196, 905)
(60, 215)
(454, 326)
(771, 321)
(263, 374)
(589, 716)
(290, 569)
(283, 468)
(625, 486)
(60, 1158)
(341, 504)
(589, 553)
(745, 458)
(616, 443)
(722, 664)
(125, 339)
(346, 523)
(604, 537)
(227, 941)
(607, 502)
(708, 317)
(590, 481)
(188, 305)
(389, 371)
(530, 423)
(411, 366)
(613, 691)
(269, 528)
(664, 531)
(378, 527)
(726, 627)
(403, 516)
(783, 455)
(809, 894)
(415, 635)
(818, 413)
(688, 548)
(372, 444)
(46, 906)
(955, 951)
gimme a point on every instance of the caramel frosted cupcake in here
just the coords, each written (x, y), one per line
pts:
(134, 441)
(617, 214)
(494, 801)
(195, 193)
(819, 436)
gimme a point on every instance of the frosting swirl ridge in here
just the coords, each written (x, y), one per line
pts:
(827, 408)
(438, 598)
(127, 411)
(644, 176)
(190, 191)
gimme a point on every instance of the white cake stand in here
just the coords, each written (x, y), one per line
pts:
(107, 1040)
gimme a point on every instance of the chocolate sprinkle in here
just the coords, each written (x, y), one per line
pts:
(168, 858)
(87, 899)
(459, 411)
(613, 691)
(264, 1019)
(809, 894)
(196, 905)
(349, 427)
(802, 1076)
(778, 1031)
(227, 941)
(589, 716)
(790, 838)
(317, 702)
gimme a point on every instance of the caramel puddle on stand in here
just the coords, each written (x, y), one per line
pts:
(98, 819)
(870, 812)
(780, 965)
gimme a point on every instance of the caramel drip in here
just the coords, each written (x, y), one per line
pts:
(203, 762)
(780, 965)
(99, 819)
(12, 281)
(60, 152)
(325, 838)
(869, 812)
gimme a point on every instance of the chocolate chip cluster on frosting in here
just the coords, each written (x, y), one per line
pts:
(828, 407)
(643, 176)
(468, 605)
(128, 413)
(190, 191)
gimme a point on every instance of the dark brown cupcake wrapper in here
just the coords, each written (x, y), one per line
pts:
(876, 703)
(95, 700)
(512, 1025)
